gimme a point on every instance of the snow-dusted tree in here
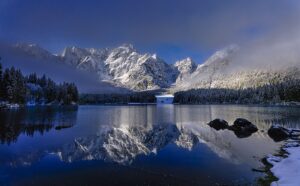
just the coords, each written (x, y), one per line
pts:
(16, 88)
(1, 81)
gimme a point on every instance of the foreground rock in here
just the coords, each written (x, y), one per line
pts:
(278, 133)
(219, 124)
(243, 128)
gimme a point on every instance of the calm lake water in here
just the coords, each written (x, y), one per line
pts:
(135, 145)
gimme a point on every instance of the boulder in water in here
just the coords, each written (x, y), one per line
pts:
(243, 128)
(218, 124)
(278, 133)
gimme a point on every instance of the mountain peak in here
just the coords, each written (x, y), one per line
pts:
(154, 56)
(127, 46)
(185, 65)
(33, 49)
(28, 47)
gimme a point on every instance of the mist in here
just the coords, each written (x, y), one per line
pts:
(273, 52)
(54, 69)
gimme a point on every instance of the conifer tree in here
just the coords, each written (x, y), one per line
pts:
(1, 82)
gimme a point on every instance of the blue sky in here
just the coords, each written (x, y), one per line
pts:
(174, 29)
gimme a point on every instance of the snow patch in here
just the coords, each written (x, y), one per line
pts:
(287, 170)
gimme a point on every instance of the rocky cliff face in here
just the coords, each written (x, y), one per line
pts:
(125, 67)
(185, 67)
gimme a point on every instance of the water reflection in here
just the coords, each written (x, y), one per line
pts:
(34, 120)
(127, 132)
(10, 133)
(122, 134)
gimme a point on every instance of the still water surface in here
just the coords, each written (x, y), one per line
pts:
(135, 145)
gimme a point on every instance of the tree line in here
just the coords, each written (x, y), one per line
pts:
(17, 88)
(274, 92)
(285, 91)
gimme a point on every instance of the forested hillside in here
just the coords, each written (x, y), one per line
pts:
(31, 89)
(288, 91)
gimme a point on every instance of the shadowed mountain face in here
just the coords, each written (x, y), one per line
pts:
(123, 68)
(34, 59)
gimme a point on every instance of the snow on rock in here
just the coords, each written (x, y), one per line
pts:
(125, 67)
(186, 139)
(34, 50)
(287, 170)
(204, 74)
(185, 68)
(122, 66)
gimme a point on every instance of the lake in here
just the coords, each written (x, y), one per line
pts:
(136, 145)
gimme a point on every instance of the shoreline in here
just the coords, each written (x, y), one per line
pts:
(283, 167)
(12, 106)
(240, 104)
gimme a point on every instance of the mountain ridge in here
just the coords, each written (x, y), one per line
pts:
(126, 67)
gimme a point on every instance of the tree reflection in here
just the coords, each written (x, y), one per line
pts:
(30, 121)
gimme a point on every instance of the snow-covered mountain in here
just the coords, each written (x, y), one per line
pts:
(185, 68)
(34, 50)
(205, 73)
(222, 70)
(127, 68)
(31, 58)
(123, 66)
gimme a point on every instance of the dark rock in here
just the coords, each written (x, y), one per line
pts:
(278, 133)
(244, 125)
(218, 124)
(243, 128)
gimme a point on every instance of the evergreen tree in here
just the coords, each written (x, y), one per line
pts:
(32, 78)
(1, 82)
(72, 91)
(16, 88)
(7, 85)
(50, 91)
(20, 88)
(43, 81)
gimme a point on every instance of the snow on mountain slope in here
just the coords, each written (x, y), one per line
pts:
(34, 50)
(185, 68)
(123, 66)
(31, 58)
(90, 60)
(206, 72)
(221, 70)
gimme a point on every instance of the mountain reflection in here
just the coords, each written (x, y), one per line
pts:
(122, 133)
(124, 144)
(34, 120)
(120, 145)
